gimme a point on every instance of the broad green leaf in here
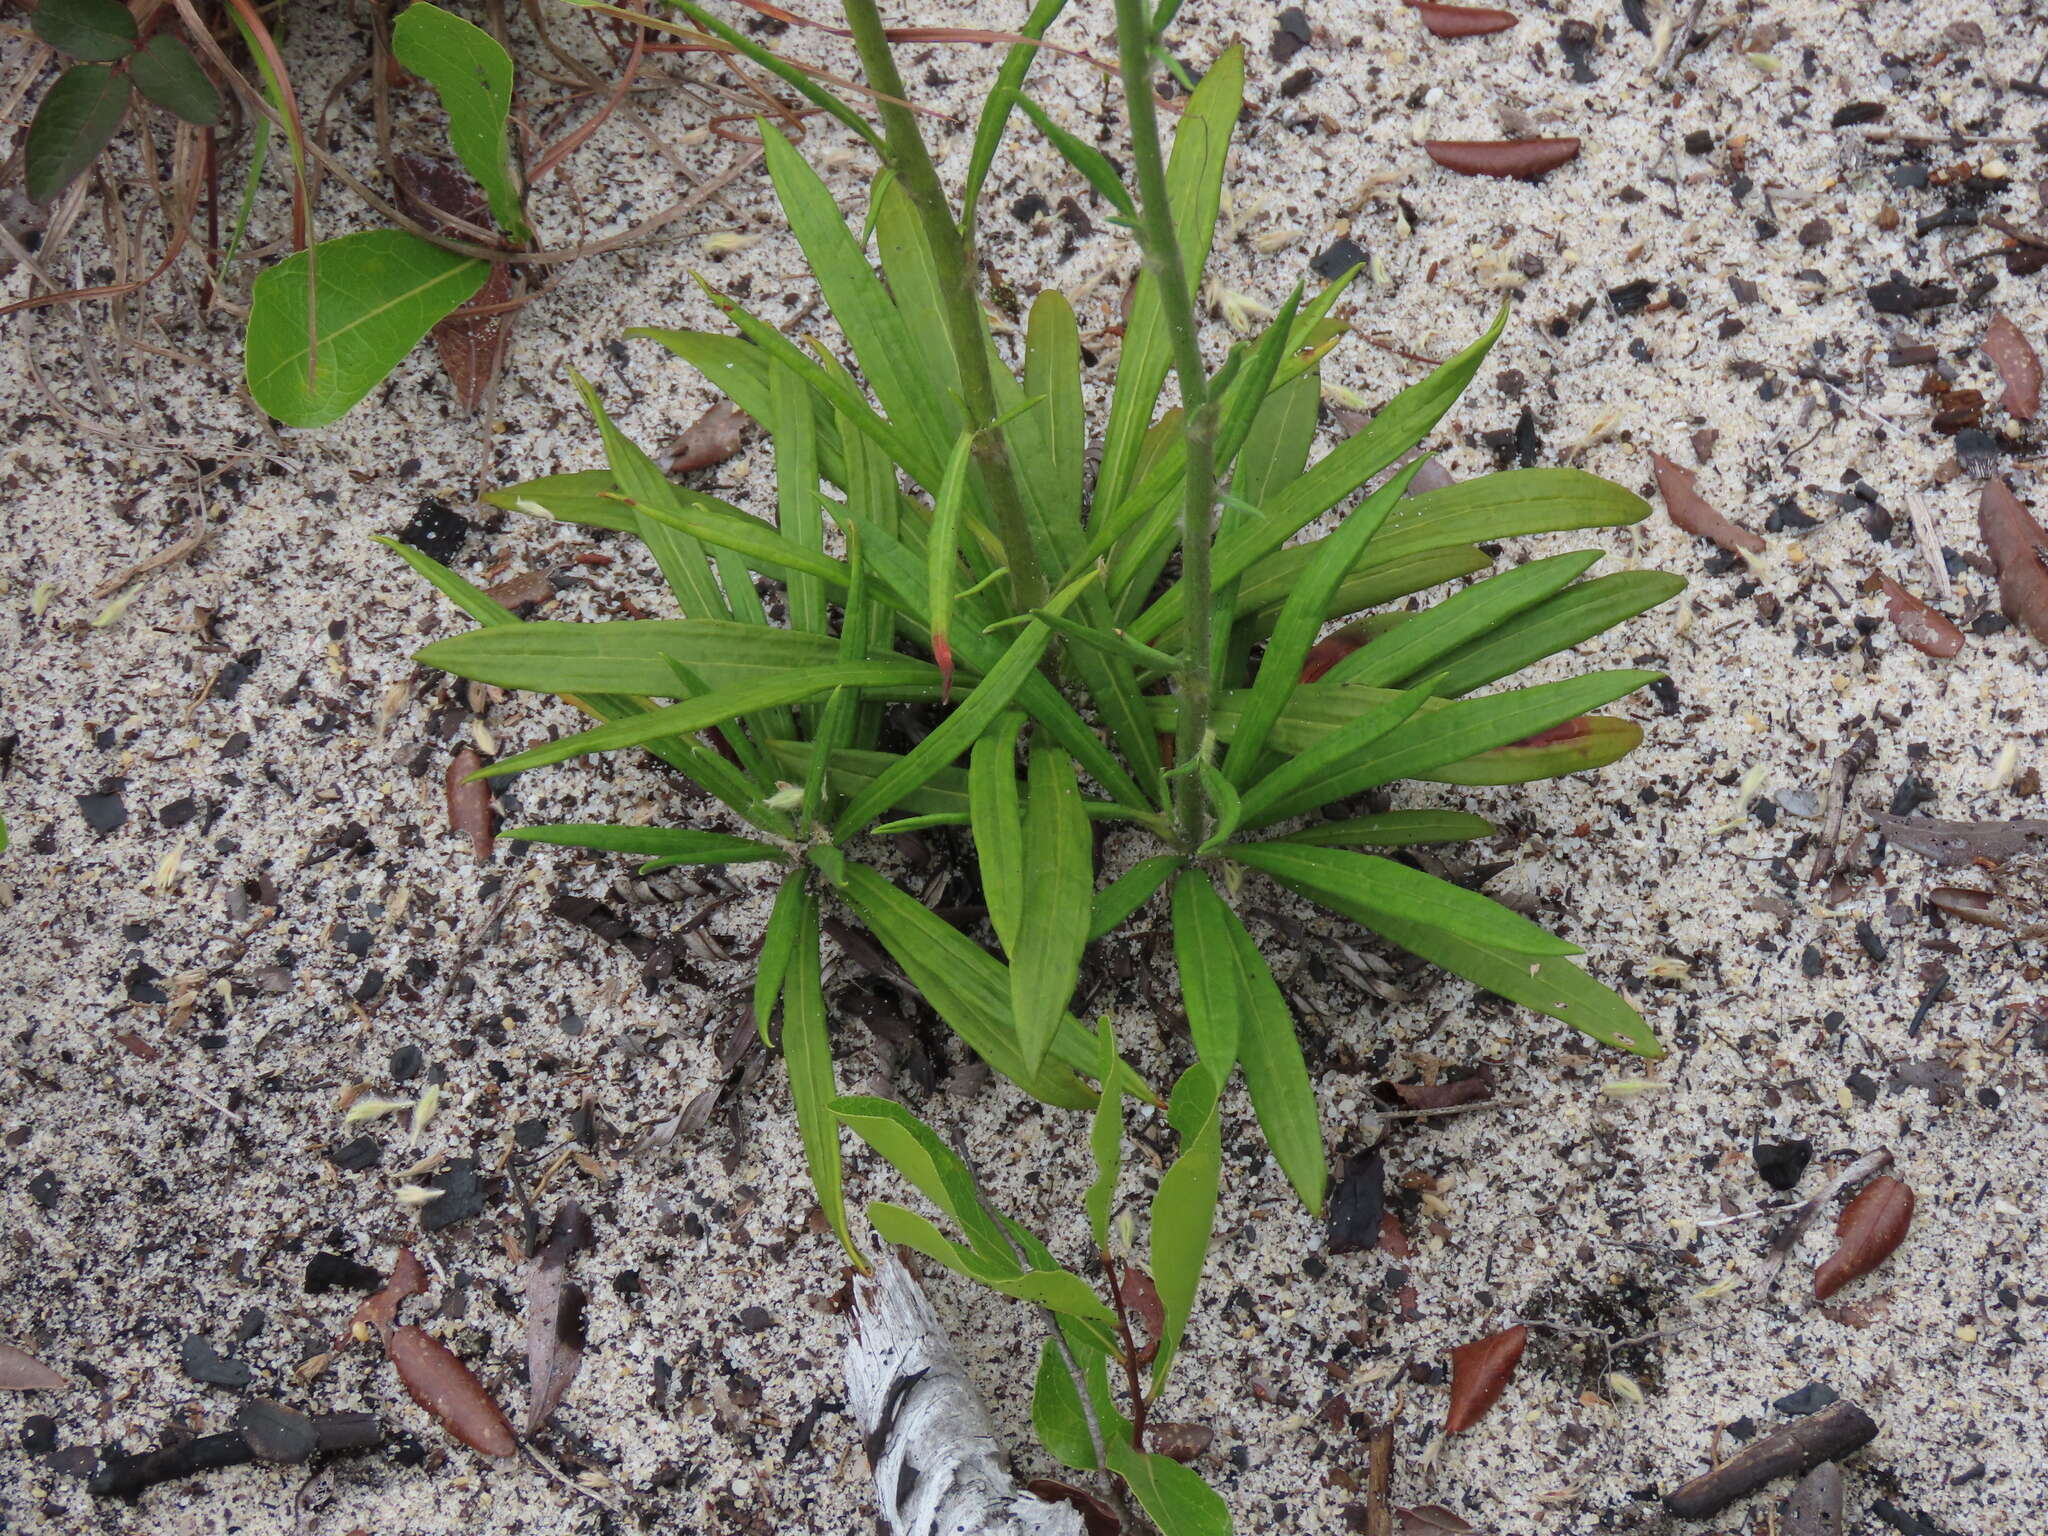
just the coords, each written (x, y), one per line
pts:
(1056, 1411)
(919, 292)
(1422, 641)
(1173, 1496)
(586, 496)
(713, 710)
(1576, 614)
(1301, 618)
(995, 109)
(1276, 449)
(1058, 885)
(968, 989)
(916, 1152)
(1208, 973)
(678, 845)
(889, 357)
(1370, 886)
(1306, 775)
(1582, 743)
(1194, 181)
(1505, 506)
(73, 122)
(1275, 1075)
(778, 947)
(1056, 1289)
(1105, 1140)
(1084, 157)
(807, 1052)
(633, 655)
(165, 72)
(1392, 829)
(1184, 1207)
(998, 821)
(375, 295)
(1403, 423)
(1128, 892)
(1262, 591)
(472, 74)
(85, 29)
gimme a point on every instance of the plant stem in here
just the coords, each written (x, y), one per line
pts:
(1161, 247)
(912, 162)
(1139, 1402)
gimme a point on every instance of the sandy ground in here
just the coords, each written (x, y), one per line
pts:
(231, 894)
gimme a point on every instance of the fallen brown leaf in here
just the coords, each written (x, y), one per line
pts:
(1870, 1227)
(1964, 842)
(21, 1371)
(1690, 511)
(440, 1383)
(1183, 1442)
(1515, 159)
(1096, 1516)
(2018, 547)
(1480, 1372)
(1446, 1095)
(2017, 364)
(471, 346)
(554, 1315)
(408, 1278)
(469, 802)
(1434, 1520)
(1927, 631)
(711, 439)
(1461, 20)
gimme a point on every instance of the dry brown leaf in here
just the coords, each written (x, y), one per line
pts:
(1183, 1442)
(472, 346)
(408, 1278)
(554, 1315)
(2018, 547)
(1927, 631)
(1515, 159)
(1480, 1372)
(2017, 364)
(1435, 1520)
(440, 1383)
(1461, 20)
(1446, 1095)
(1956, 843)
(1690, 511)
(1097, 1518)
(1870, 1227)
(21, 1371)
(1142, 1297)
(711, 439)
(469, 802)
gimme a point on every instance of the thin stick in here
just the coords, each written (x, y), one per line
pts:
(1788, 1236)
(1840, 777)
(1930, 544)
(1680, 41)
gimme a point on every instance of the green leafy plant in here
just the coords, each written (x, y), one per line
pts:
(1148, 653)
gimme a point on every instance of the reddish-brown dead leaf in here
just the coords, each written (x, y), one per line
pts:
(1096, 1516)
(469, 802)
(440, 1383)
(472, 346)
(408, 1278)
(1461, 20)
(1690, 511)
(1183, 1442)
(1435, 1520)
(1394, 1237)
(1929, 632)
(1142, 1297)
(1956, 843)
(2019, 553)
(136, 1046)
(554, 1315)
(1967, 906)
(21, 1371)
(2017, 364)
(711, 439)
(1446, 1095)
(1515, 159)
(1331, 649)
(1480, 1372)
(1870, 1227)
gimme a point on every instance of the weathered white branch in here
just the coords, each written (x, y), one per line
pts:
(939, 1470)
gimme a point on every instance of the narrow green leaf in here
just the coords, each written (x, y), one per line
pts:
(778, 944)
(1582, 743)
(998, 821)
(1276, 448)
(918, 1153)
(1301, 618)
(1224, 805)
(676, 844)
(486, 610)
(586, 496)
(1055, 1289)
(996, 108)
(1184, 1208)
(631, 655)
(1112, 643)
(472, 75)
(1058, 877)
(1263, 590)
(1208, 973)
(807, 1052)
(789, 74)
(798, 517)
(375, 294)
(1105, 1140)
(1128, 892)
(1173, 1496)
(85, 29)
(1420, 643)
(1307, 774)
(1056, 1411)
(1055, 439)
(73, 122)
(1576, 614)
(165, 72)
(1084, 157)
(1274, 1073)
(1504, 506)
(1392, 829)
(967, 988)
(918, 291)
(942, 553)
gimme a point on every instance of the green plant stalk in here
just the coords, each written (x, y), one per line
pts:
(952, 254)
(1161, 247)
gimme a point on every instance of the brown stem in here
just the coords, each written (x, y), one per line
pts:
(1129, 1354)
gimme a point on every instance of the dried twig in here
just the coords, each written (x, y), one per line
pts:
(1840, 777)
(1797, 1448)
(1681, 40)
